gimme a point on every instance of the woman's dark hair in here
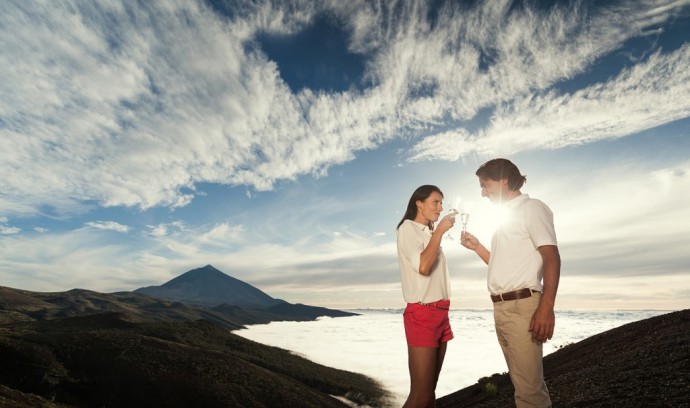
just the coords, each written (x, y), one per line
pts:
(420, 194)
(498, 169)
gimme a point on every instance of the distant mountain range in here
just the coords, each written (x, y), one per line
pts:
(162, 346)
(208, 287)
(204, 293)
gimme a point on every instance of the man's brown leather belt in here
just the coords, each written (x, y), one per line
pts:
(514, 295)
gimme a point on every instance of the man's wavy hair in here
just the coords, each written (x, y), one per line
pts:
(499, 169)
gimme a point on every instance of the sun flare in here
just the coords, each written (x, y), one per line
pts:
(501, 215)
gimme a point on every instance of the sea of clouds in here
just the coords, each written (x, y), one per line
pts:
(373, 343)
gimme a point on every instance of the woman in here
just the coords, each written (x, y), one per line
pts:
(426, 289)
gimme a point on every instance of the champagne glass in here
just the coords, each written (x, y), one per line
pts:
(464, 218)
(455, 205)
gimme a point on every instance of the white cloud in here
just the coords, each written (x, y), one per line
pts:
(118, 103)
(626, 220)
(157, 230)
(65, 260)
(597, 239)
(223, 234)
(164, 229)
(136, 104)
(81, 258)
(643, 97)
(647, 95)
(5, 230)
(108, 225)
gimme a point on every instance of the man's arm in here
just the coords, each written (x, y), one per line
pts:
(469, 241)
(544, 319)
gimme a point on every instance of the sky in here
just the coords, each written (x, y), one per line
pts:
(280, 141)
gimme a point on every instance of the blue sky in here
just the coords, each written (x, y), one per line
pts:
(280, 141)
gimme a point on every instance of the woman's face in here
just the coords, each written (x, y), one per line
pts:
(430, 209)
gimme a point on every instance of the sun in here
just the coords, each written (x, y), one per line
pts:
(485, 219)
(501, 215)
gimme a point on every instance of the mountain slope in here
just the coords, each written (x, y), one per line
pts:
(641, 364)
(85, 348)
(18, 305)
(113, 360)
(24, 306)
(210, 287)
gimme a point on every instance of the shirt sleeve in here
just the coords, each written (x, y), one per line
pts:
(410, 245)
(540, 224)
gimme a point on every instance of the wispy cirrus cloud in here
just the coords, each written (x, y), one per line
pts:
(644, 96)
(135, 104)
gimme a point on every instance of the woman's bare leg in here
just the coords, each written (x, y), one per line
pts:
(425, 366)
(440, 355)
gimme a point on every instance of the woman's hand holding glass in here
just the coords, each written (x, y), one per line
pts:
(459, 207)
(446, 222)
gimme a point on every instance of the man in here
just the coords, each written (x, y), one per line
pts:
(524, 270)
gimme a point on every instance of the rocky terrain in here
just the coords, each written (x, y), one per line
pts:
(638, 365)
(116, 360)
(163, 346)
(82, 348)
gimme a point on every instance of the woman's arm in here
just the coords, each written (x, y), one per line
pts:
(428, 257)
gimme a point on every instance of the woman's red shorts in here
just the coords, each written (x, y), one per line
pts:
(427, 325)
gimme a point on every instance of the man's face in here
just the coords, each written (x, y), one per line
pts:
(430, 209)
(494, 190)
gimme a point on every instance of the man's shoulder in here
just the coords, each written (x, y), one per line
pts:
(532, 200)
(534, 204)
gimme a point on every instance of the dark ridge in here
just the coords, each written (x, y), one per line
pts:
(189, 303)
(110, 360)
(83, 348)
(641, 364)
